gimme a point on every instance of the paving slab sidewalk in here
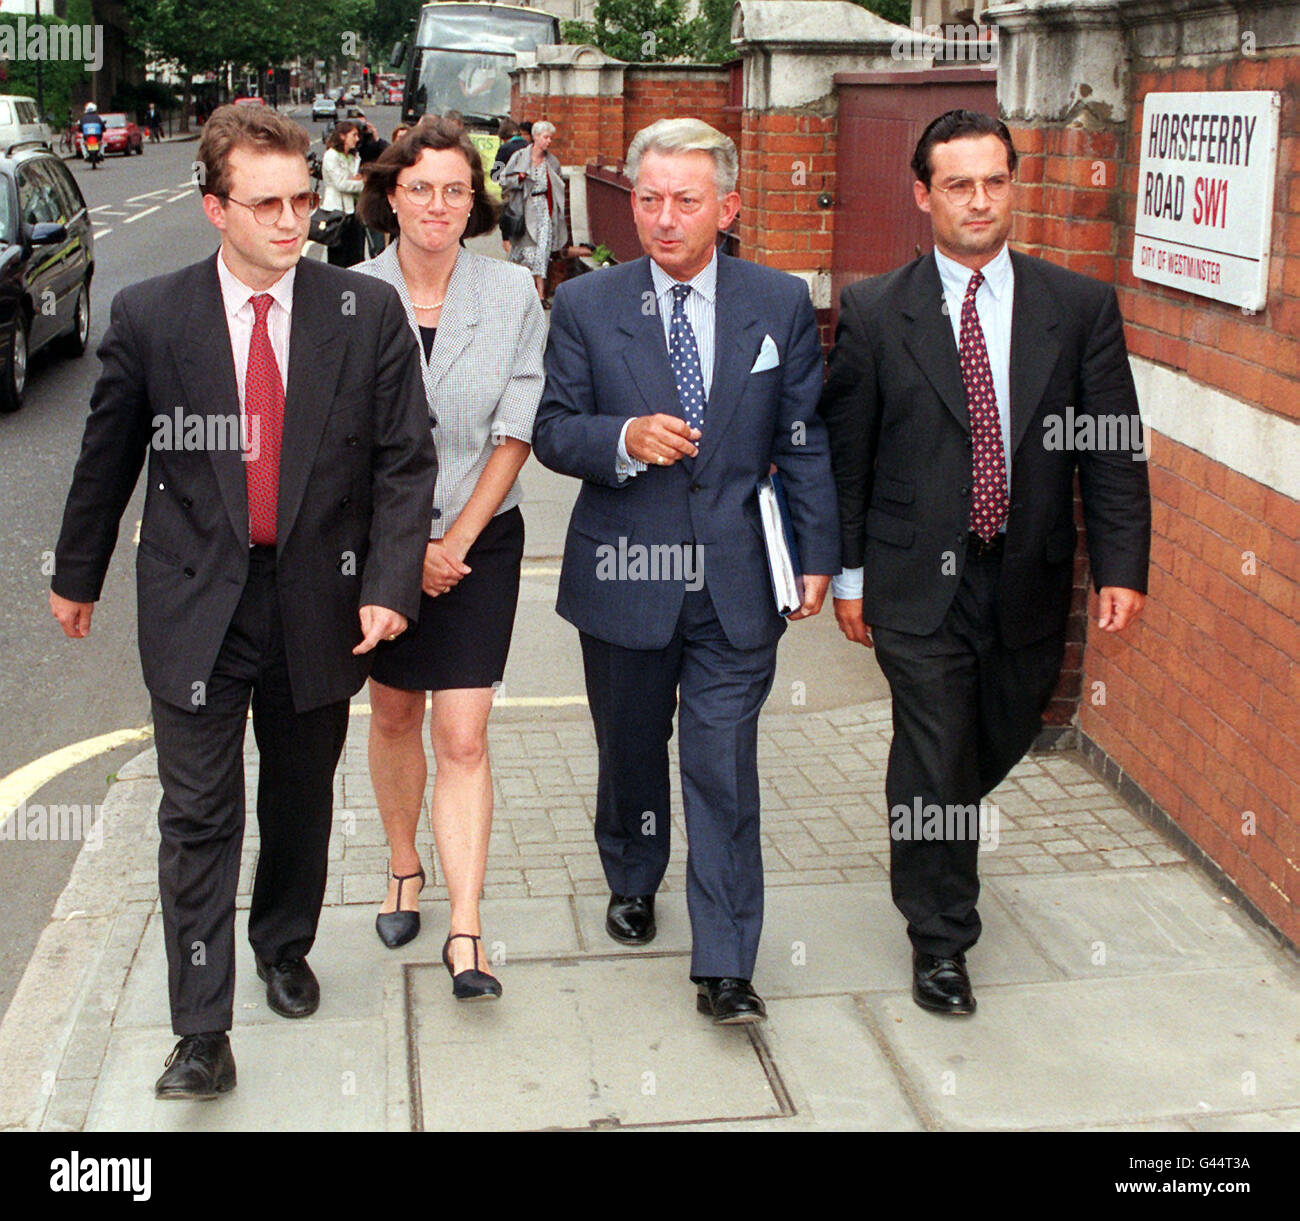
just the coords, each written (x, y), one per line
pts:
(1117, 988)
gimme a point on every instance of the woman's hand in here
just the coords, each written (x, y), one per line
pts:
(444, 565)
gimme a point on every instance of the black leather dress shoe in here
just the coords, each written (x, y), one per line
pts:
(200, 1067)
(630, 919)
(291, 988)
(941, 985)
(730, 1002)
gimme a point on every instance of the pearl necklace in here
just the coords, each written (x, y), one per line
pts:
(435, 305)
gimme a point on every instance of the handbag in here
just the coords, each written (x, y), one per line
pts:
(326, 226)
(512, 220)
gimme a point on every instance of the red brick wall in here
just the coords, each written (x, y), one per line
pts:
(650, 94)
(588, 128)
(1202, 700)
(786, 160)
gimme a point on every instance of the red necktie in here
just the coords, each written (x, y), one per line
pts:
(264, 413)
(989, 500)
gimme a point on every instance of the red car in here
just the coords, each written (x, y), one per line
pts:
(121, 135)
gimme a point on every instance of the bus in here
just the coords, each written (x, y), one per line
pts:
(461, 57)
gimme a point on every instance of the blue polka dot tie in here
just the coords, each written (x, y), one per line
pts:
(684, 357)
(989, 500)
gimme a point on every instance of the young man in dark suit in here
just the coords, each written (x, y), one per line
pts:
(965, 391)
(290, 474)
(673, 383)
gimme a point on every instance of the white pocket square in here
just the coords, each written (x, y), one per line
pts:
(767, 357)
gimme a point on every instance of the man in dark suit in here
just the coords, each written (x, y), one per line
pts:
(283, 534)
(673, 383)
(952, 387)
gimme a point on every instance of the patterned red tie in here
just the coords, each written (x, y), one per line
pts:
(264, 409)
(989, 500)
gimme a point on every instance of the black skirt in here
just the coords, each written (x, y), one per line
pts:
(462, 637)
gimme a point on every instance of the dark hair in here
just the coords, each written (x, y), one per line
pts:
(232, 127)
(526, 126)
(335, 140)
(381, 174)
(957, 125)
(507, 129)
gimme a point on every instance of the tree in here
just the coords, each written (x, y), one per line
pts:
(638, 31)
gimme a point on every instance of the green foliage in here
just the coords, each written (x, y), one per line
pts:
(638, 31)
(897, 11)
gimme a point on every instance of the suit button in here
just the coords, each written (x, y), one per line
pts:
(187, 501)
(695, 487)
(347, 500)
(353, 439)
(189, 572)
(965, 491)
(437, 513)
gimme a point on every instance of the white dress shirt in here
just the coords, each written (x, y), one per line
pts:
(993, 305)
(237, 298)
(701, 307)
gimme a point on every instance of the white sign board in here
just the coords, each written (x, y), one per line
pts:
(1205, 193)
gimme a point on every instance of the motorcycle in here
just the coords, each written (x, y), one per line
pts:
(93, 153)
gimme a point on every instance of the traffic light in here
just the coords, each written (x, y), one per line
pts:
(365, 80)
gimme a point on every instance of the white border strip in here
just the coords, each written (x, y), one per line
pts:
(1249, 440)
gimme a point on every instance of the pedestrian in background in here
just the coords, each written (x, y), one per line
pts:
(535, 171)
(480, 330)
(341, 178)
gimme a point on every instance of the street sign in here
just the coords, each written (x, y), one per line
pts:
(1205, 190)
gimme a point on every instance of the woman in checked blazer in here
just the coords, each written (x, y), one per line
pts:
(480, 328)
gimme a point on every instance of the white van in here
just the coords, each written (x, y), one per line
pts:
(20, 121)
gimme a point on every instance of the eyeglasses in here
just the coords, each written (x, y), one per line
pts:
(454, 194)
(269, 211)
(961, 192)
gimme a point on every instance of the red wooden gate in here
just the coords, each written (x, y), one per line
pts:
(881, 116)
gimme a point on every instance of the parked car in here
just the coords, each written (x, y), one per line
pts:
(392, 96)
(20, 121)
(322, 107)
(250, 101)
(121, 135)
(47, 260)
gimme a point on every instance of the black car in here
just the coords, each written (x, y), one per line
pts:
(47, 259)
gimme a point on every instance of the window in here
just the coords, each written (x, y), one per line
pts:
(6, 113)
(69, 194)
(7, 227)
(37, 200)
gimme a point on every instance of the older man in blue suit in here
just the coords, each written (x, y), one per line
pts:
(673, 384)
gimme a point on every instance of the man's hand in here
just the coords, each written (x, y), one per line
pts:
(444, 565)
(379, 623)
(848, 614)
(73, 617)
(814, 594)
(660, 440)
(1119, 607)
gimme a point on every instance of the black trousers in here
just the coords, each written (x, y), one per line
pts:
(632, 694)
(201, 815)
(965, 711)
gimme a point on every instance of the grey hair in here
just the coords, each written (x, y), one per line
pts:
(543, 128)
(686, 136)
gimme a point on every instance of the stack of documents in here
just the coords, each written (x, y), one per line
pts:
(782, 551)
